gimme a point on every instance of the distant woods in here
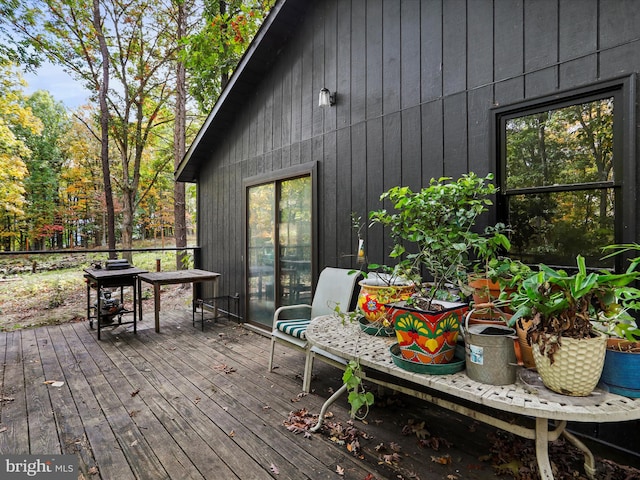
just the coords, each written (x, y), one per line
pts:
(104, 173)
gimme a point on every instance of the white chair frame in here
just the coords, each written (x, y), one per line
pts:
(335, 287)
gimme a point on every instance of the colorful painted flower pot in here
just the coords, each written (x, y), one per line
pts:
(375, 293)
(428, 337)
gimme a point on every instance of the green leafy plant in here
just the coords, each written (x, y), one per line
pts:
(619, 323)
(560, 304)
(358, 397)
(432, 229)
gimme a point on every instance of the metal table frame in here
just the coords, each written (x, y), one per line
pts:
(157, 279)
(344, 340)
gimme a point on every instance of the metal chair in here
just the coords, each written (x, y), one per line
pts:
(335, 287)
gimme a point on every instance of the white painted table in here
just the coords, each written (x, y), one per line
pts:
(346, 341)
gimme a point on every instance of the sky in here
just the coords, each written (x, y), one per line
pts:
(60, 84)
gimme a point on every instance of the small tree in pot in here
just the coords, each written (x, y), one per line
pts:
(432, 234)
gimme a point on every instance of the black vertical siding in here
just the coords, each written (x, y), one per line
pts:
(415, 82)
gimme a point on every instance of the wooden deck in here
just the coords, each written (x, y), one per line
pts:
(188, 404)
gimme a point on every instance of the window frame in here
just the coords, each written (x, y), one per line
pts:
(624, 183)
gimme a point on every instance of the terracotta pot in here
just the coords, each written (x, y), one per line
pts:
(522, 326)
(577, 365)
(486, 290)
(372, 298)
(428, 337)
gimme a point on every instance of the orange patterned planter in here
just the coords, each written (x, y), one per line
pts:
(428, 337)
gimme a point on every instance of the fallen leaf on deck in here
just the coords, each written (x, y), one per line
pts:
(135, 392)
(3, 429)
(197, 400)
(134, 443)
(434, 443)
(232, 433)
(266, 407)
(513, 467)
(274, 469)
(339, 470)
(444, 460)
(299, 397)
(391, 458)
(224, 368)
(416, 428)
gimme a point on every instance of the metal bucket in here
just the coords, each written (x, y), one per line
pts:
(489, 353)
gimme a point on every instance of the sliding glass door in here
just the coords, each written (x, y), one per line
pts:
(279, 240)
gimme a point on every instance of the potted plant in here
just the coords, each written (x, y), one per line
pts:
(621, 370)
(380, 285)
(568, 352)
(432, 234)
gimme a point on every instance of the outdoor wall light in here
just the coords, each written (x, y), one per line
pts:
(326, 98)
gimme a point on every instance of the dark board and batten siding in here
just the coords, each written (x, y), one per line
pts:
(416, 82)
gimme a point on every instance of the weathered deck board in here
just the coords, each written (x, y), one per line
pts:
(14, 412)
(188, 417)
(190, 404)
(238, 402)
(58, 362)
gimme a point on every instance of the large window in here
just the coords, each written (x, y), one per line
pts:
(279, 246)
(567, 174)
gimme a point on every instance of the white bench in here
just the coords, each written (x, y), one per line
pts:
(346, 341)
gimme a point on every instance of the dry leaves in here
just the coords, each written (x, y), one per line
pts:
(298, 397)
(443, 460)
(54, 383)
(224, 368)
(418, 429)
(435, 443)
(348, 435)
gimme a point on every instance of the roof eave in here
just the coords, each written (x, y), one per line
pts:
(241, 77)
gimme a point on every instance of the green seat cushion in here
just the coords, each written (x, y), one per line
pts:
(295, 327)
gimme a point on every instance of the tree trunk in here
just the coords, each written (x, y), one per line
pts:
(128, 215)
(179, 141)
(104, 130)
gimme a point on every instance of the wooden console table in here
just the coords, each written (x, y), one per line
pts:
(157, 279)
(457, 392)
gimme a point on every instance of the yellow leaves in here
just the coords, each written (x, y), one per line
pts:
(13, 117)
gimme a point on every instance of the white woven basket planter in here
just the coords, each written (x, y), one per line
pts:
(577, 365)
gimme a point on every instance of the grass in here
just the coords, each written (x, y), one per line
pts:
(55, 296)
